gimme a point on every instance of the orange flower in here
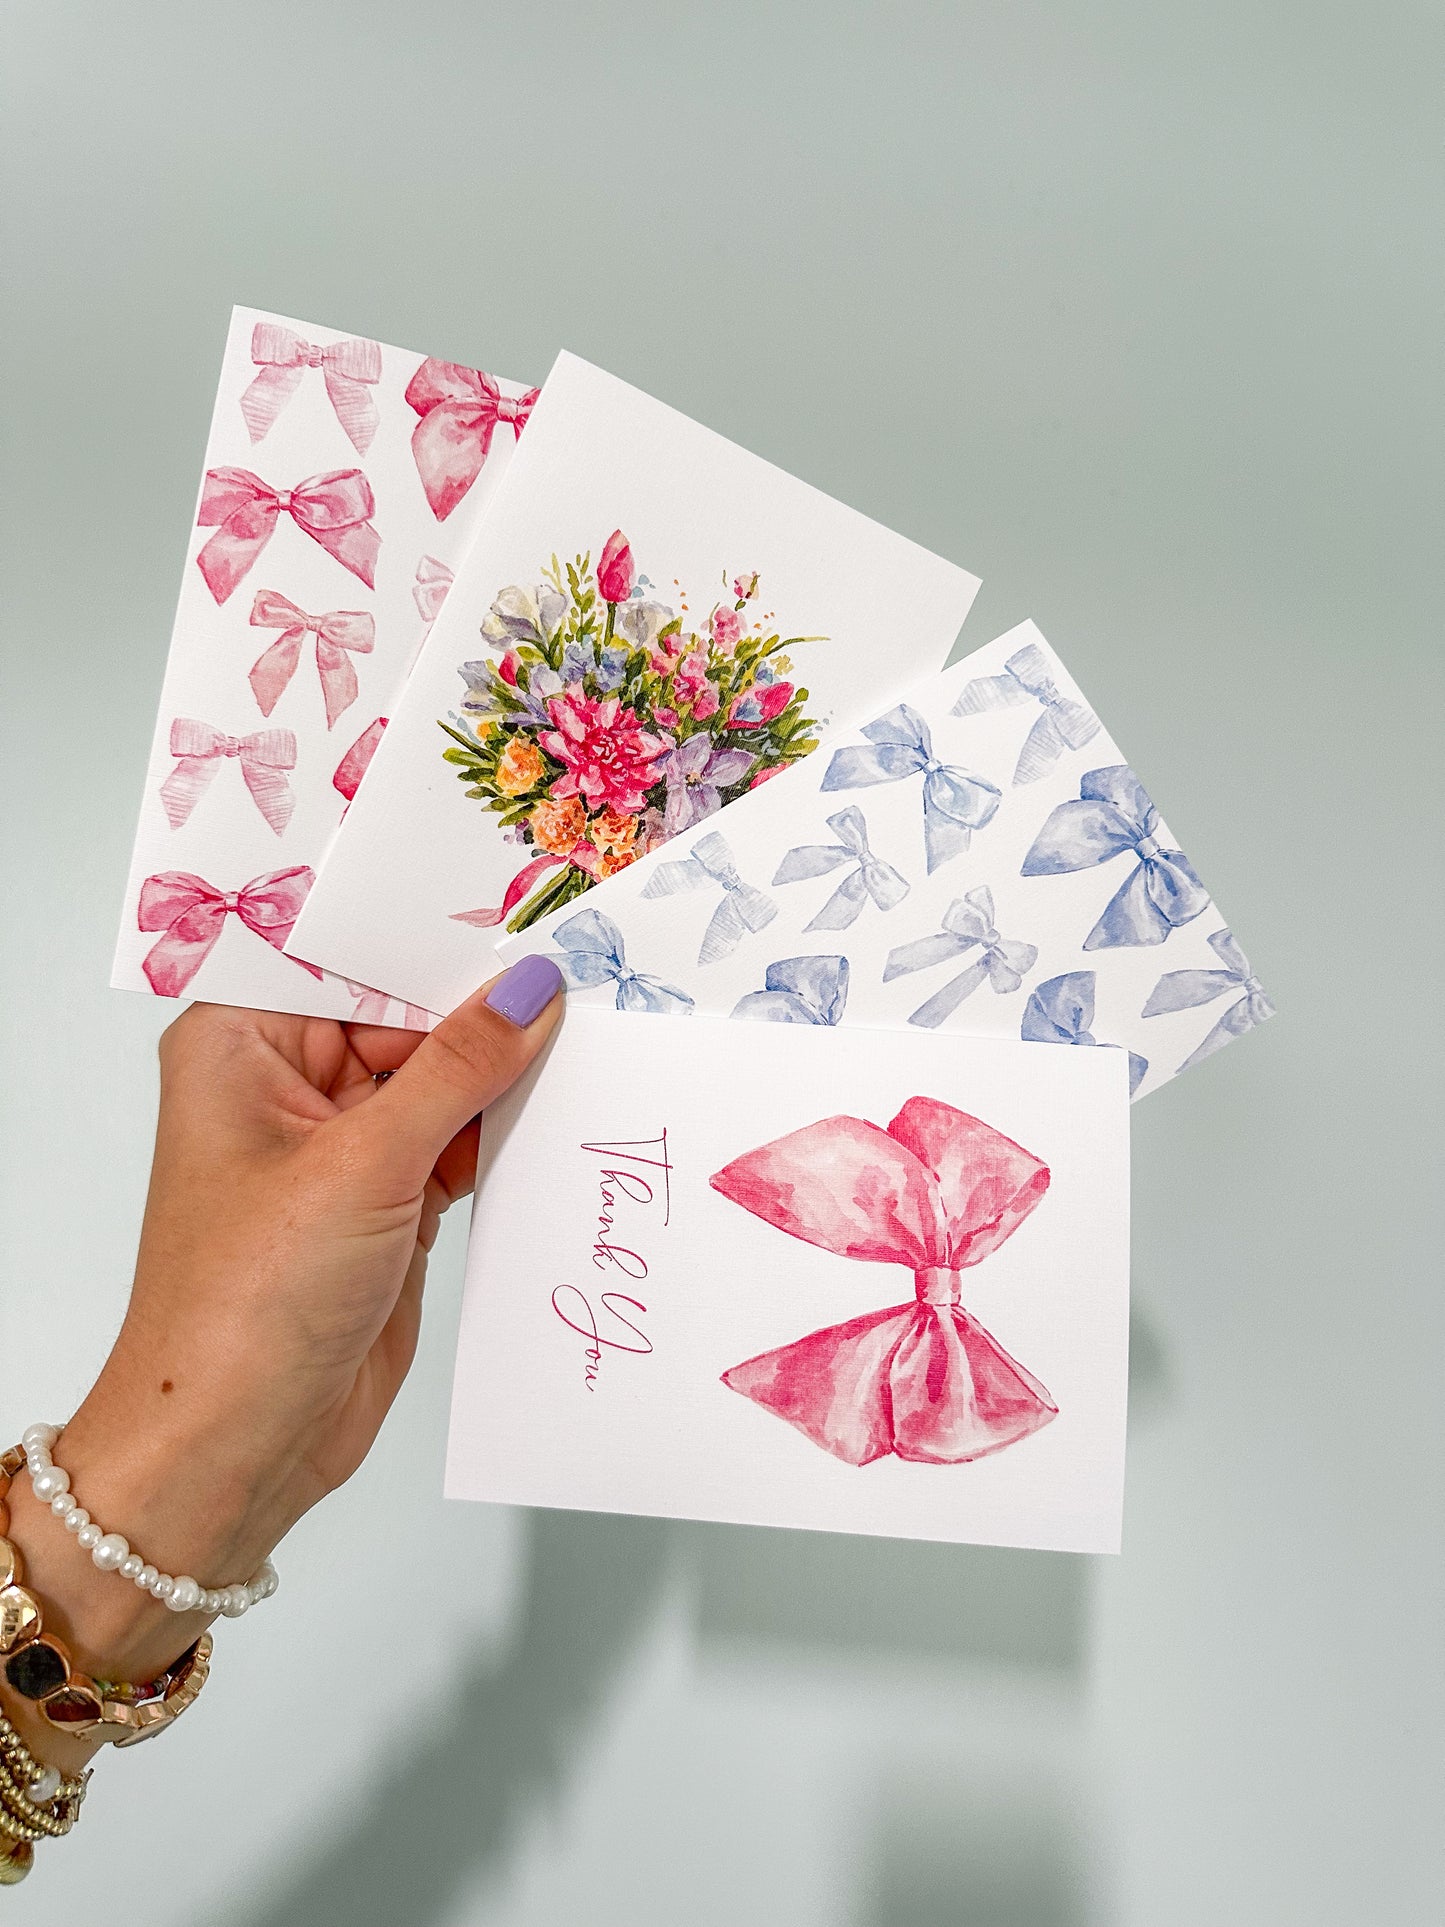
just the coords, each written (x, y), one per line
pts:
(556, 825)
(614, 833)
(519, 767)
(611, 861)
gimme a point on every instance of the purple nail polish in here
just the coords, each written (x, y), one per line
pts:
(522, 993)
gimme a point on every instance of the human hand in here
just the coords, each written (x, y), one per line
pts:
(277, 1294)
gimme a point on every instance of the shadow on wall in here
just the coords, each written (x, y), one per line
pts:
(988, 1857)
(501, 1748)
(1003, 1857)
(902, 1599)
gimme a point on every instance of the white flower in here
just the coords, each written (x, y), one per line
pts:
(640, 622)
(513, 617)
(551, 608)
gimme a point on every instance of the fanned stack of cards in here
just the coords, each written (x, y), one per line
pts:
(463, 669)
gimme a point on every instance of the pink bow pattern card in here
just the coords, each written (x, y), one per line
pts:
(652, 623)
(878, 1283)
(344, 481)
(977, 857)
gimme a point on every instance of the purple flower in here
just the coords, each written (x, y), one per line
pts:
(696, 772)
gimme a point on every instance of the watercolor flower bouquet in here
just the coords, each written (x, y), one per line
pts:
(607, 724)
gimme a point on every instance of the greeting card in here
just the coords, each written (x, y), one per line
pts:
(978, 856)
(652, 623)
(866, 1283)
(344, 480)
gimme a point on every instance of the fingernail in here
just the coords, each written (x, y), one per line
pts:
(522, 993)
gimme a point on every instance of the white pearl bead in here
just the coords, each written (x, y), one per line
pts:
(63, 1504)
(269, 1576)
(235, 1601)
(146, 1577)
(111, 1552)
(89, 1537)
(44, 1787)
(46, 1484)
(162, 1585)
(39, 1437)
(132, 1566)
(216, 1600)
(75, 1521)
(38, 1462)
(184, 1595)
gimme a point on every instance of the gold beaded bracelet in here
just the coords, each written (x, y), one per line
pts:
(36, 1803)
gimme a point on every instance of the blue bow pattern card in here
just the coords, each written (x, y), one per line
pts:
(978, 857)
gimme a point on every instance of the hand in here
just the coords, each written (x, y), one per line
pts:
(277, 1294)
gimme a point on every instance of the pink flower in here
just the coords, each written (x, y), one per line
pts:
(692, 669)
(727, 629)
(615, 570)
(705, 703)
(767, 775)
(667, 717)
(759, 705)
(745, 587)
(507, 667)
(607, 756)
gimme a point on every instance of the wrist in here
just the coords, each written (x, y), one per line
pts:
(180, 1497)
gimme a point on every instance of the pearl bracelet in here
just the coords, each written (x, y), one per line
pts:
(51, 1485)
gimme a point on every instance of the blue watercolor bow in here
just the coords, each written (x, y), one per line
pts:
(1113, 814)
(1064, 724)
(872, 878)
(1061, 1011)
(1186, 989)
(798, 990)
(742, 908)
(955, 802)
(967, 921)
(594, 955)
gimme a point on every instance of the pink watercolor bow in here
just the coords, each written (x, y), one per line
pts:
(347, 775)
(336, 633)
(433, 579)
(334, 509)
(349, 368)
(936, 1192)
(192, 913)
(459, 409)
(200, 749)
(372, 1006)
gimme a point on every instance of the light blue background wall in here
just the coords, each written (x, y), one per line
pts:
(1133, 308)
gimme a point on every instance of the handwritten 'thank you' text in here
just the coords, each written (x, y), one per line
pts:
(635, 1191)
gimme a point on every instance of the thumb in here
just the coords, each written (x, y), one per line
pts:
(464, 1065)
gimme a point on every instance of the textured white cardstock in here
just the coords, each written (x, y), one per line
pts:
(696, 553)
(977, 858)
(344, 480)
(661, 1315)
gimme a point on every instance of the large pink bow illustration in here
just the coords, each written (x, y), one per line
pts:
(336, 633)
(936, 1192)
(334, 509)
(347, 775)
(192, 913)
(200, 750)
(459, 409)
(350, 370)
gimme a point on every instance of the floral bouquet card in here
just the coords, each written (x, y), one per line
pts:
(652, 623)
(978, 857)
(882, 1288)
(344, 480)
